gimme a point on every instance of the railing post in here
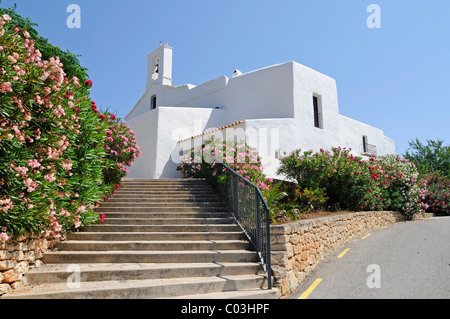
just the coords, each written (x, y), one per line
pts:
(236, 197)
(258, 223)
(268, 261)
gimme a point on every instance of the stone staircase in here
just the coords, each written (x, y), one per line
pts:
(161, 239)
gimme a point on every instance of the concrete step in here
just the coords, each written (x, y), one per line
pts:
(57, 273)
(165, 195)
(167, 185)
(140, 289)
(158, 198)
(171, 209)
(166, 180)
(236, 235)
(163, 192)
(161, 204)
(199, 245)
(166, 221)
(162, 199)
(163, 228)
(156, 256)
(168, 215)
(234, 294)
(168, 189)
(161, 239)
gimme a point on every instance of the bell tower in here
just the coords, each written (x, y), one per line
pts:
(159, 66)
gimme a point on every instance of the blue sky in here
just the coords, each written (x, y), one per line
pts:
(396, 77)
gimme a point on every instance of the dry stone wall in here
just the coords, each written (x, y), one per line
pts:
(19, 255)
(298, 247)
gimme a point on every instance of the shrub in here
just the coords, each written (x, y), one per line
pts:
(437, 194)
(245, 160)
(303, 199)
(387, 182)
(121, 149)
(70, 61)
(343, 176)
(52, 142)
(398, 178)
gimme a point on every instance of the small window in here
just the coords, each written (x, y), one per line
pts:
(318, 122)
(277, 154)
(153, 102)
(365, 144)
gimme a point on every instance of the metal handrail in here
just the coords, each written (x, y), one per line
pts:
(247, 205)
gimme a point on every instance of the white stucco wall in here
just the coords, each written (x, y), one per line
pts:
(276, 104)
(159, 130)
(145, 128)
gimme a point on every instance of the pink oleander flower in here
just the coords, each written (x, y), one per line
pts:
(67, 165)
(76, 80)
(11, 59)
(77, 222)
(21, 170)
(64, 212)
(27, 182)
(50, 177)
(4, 236)
(33, 163)
(6, 87)
(81, 209)
(6, 17)
(57, 226)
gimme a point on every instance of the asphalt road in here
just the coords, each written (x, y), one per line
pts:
(401, 261)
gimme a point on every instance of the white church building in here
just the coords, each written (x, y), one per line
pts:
(276, 109)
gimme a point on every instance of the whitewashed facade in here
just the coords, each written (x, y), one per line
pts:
(278, 109)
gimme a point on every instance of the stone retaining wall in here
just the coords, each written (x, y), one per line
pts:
(298, 247)
(19, 255)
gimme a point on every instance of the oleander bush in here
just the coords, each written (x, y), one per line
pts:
(59, 155)
(72, 66)
(437, 194)
(201, 162)
(351, 183)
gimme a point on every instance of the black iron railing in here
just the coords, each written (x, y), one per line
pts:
(248, 207)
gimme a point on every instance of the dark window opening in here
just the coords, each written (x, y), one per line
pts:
(365, 144)
(153, 102)
(317, 112)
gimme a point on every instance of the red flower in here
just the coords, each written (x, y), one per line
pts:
(102, 217)
(102, 116)
(88, 83)
(117, 186)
